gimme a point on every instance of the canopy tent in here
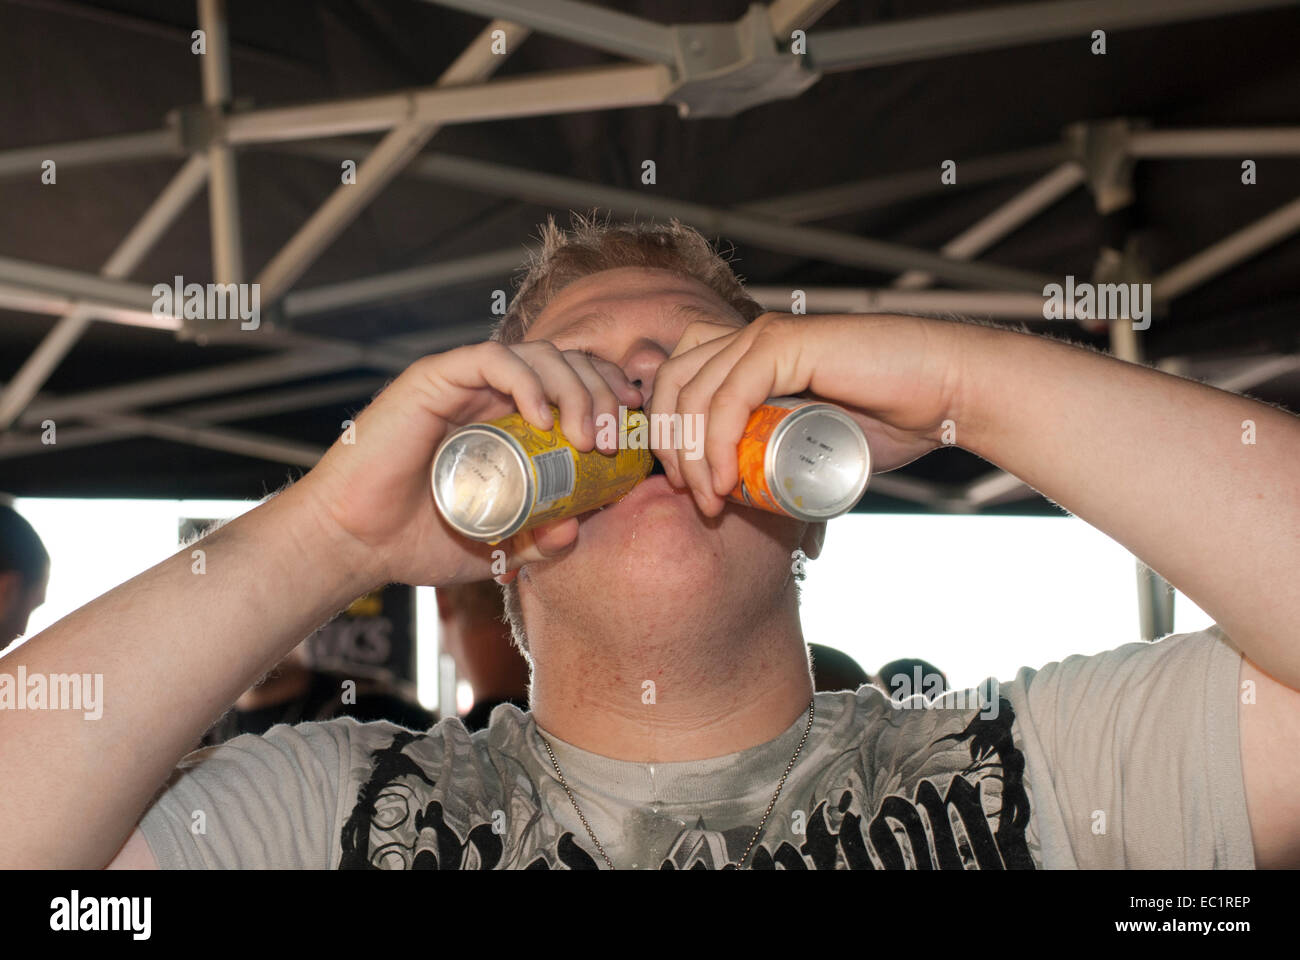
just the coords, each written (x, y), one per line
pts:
(949, 158)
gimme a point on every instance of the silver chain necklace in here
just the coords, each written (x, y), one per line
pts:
(752, 840)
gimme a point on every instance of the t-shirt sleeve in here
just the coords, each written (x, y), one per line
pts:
(1139, 757)
(255, 802)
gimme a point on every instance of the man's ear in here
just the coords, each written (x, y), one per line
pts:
(813, 538)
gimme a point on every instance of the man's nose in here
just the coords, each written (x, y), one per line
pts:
(642, 365)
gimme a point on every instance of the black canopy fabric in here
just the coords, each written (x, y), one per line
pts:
(77, 70)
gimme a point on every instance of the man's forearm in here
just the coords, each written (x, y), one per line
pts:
(175, 648)
(1159, 463)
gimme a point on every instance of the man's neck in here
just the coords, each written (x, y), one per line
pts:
(687, 697)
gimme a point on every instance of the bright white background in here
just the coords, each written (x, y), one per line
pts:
(975, 596)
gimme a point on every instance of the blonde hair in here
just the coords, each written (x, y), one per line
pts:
(592, 245)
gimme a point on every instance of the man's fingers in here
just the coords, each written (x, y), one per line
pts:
(605, 399)
(694, 400)
(565, 388)
(702, 331)
(669, 380)
(549, 541)
(623, 388)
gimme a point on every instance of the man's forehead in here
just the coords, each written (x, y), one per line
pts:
(593, 322)
(650, 297)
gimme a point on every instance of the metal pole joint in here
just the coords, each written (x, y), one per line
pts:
(726, 68)
(1101, 147)
(1128, 269)
(199, 126)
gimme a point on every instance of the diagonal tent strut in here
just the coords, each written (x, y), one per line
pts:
(830, 245)
(128, 255)
(384, 162)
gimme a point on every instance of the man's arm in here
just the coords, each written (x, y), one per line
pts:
(1157, 462)
(135, 854)
(175, 648)
(1270, 743)
(1161, 465)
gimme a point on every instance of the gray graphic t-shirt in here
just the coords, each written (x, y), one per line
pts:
(1126, 759)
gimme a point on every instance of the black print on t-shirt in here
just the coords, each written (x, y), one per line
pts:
(970, 810)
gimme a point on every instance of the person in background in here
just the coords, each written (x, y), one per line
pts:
(834, 669)
(24, 574)
(297, 691)
(905, 678)
(473, 631)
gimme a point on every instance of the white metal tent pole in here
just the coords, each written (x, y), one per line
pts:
(365, 354)
(400, 283)
(995, 28)
(1007, 305)
(139, 299)
(235, 376)
(1003, 221)
(1154, 593)
(203, 415)
(1227, 142)
(533, 95)
(911, 489)
(995, 486)
(787, 15)
(133, 248)
(1257, 373)
(475, 64)
(796, 208)
(215, 438)
(803, 207)
(223, 187)
(77, 284)
(499, 179)
(593, 26)
(27, 300)
(1227, 253)
(831, 245)
(182, 386)
(860, 195)
(129, 146)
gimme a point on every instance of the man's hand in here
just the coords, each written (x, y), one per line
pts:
(376, 492)
(897, 376)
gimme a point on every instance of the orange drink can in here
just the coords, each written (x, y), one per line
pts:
(802, 458)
